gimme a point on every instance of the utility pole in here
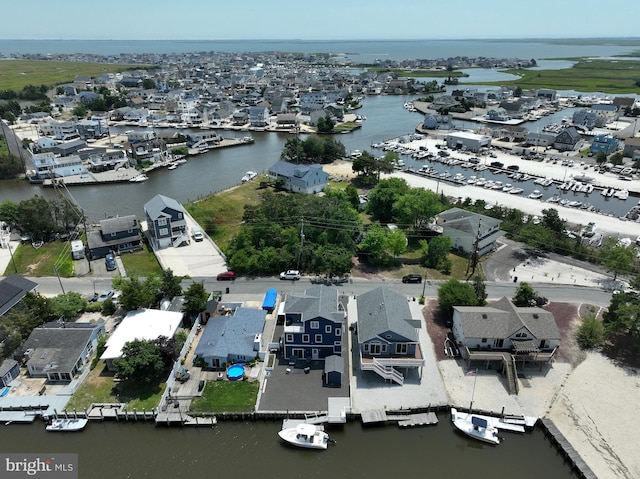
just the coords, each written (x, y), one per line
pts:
(86, 237)
(473, 257)
(301, 242)
(55, 268)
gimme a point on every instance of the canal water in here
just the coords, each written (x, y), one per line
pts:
(252, 449)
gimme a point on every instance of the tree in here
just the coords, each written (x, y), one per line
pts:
(69, 305)
(374, 242)
(351, 194)
(170, 284)
(140, 362)
(454, 293)
(396, 242)
(80, 110)
(136, 294)
(325, 125)
(601, 157)
(439, 248)
(195, 299)
(616, 258)
(384, 196)
(416, 208)
(590, 333)
(524, 296)
(34, 216)
(480, 289)
(9, 212)
(148, 84)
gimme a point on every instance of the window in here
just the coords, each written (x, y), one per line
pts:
(384, 348)
(164, 231)
(374, 348)
(337, 343)
(315, 325)
(318, 338)
(113, 235)
(484, 340)
(401, 348)
(179, 215)
(288, 338)
(305, 338)
(162, 221)
(327, 328)
(366, 347)
(338, 332)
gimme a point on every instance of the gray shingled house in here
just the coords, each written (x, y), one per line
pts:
(232, 339)
(120, 235)
(165, 222)
(12, 289)
(387, 334)
(464, 227)
(307, 179)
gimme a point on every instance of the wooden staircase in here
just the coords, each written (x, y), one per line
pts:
(387, 372)
(509, 365)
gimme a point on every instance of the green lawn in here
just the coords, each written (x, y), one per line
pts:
(99, 387)
(16, 74)
(227, 396)
(607, 76)
(141, 263)
(221, 214)
(40, 262)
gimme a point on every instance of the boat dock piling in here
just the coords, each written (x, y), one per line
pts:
(567, 450)
(404, 420)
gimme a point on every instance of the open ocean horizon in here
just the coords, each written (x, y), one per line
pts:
(363, 51)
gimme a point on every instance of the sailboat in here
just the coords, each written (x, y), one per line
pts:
(472, 425)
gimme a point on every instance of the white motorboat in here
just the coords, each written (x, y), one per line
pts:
(139, 178)
(71, 424)
(515, 191)
(172, 166)
(306, 435)
(621, 194)
(248, 176)
(475, 426)
(535, 195)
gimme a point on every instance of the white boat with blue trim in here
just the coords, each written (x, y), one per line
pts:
(67, 424)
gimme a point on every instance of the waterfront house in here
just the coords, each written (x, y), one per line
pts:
(387, 334)
(631, 148)
(505, 334)
(542, 139)
(606, 143)
(568, 139)
(9, 370)
(469, 230)
(144, 325)
(231, 338)
(166, 224)
(296, 178)
(119, 235)
(50, 166)
(435, 121)
(59, 350)
(313, 324)
(12, 289)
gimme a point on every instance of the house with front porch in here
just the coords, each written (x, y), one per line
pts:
(120, 235)
(388, 338)
(58, 351)
(505, 334)
(314, 324)
(166, 223)
(296, 178)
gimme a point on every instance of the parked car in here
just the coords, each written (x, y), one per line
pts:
(226, 276)
(110, 262)
(412, 278)
(197, 235)
(291, 274)
(105, 295)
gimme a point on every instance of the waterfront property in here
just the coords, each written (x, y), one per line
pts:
(313, 324)
(9, 370)
(143, 324)
(121, 234)
(234, 337)
(463, 140)
(469, 231)
(506, 333)
(165, 222)
(307, 179)
(387, 334)
(58, 351)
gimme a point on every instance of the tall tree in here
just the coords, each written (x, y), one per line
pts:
(616, 258)
(416, 208)
(455, 293)
(383, 198)
(524, 296)
(140, 362)
(480, 289)
(195, 299)
(170, 284)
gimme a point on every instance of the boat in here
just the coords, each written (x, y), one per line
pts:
(248, 176)
(475, 426)
(535, 195)
(622, 194)
(515, 191)
(172, 166)
(139, 178)
(74, 424)
(306, 435)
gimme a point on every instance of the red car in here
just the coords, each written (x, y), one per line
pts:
(226, 276)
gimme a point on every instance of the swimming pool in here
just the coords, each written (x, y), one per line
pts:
(235, 372)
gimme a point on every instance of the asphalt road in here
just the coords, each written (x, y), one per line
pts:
(256, 286)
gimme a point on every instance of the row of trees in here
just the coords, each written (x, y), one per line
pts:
(313, 149)
(41, 217)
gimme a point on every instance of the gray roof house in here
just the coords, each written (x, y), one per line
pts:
(506, 334)
(307, 179)
(58, 351)
(120, 234)
(232, 339)
(9, 370)
(12, 289)
(463, 227)
(387, 334)
(165, 222)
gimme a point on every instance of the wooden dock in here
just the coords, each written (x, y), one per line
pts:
(404, 420)
(567, 449)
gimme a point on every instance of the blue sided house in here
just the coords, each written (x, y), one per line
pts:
(231, 338)
(313, 324)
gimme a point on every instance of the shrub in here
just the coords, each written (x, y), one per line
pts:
(590, 334)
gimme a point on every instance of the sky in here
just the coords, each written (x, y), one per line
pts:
(318, 20)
